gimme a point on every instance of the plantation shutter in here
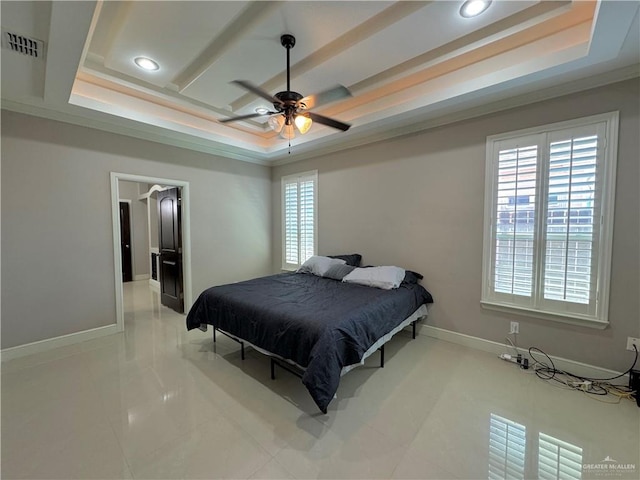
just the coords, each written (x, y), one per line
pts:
(307, 219)
(516, 211)
(291, 222)
(549, 205)
(572, 230)
(299, 218)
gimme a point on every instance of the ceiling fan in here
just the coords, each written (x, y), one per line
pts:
(291, 108)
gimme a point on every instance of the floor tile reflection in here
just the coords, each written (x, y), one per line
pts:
(159, 402)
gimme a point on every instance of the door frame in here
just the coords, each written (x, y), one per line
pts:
(186, 237)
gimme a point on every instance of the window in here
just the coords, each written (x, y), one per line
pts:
(549, 220)
(299, 218)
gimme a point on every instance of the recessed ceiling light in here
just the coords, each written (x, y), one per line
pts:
(472, 8)
(146, 63)
(262, 110)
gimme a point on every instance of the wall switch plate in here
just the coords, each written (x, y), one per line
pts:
(631, 341)
(515, 328)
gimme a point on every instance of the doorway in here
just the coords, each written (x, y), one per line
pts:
(182, 232)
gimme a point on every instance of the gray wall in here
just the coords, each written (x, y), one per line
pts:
(139, 222)
(57, 248)
(417, 202)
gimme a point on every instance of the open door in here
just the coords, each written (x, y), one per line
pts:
(125, 242)
(170, 246)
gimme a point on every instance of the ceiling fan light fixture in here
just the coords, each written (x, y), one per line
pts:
(473, 8)
(303, 124)
(288, 132)
(276, 122)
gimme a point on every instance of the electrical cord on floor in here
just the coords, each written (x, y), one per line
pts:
(512, 343)
(620, 394)
(588, 385)
(545, 369)
(517, 358)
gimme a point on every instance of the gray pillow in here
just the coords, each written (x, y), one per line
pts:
(338, 272)
(351, 259)
(318, 264)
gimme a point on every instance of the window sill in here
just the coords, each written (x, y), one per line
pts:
(555, 317)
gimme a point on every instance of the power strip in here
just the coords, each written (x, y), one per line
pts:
(518, 360)
(584, 385)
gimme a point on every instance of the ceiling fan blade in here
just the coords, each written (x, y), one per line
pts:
(244, 117)
(329, 122)
(257, 90)
(336, 93)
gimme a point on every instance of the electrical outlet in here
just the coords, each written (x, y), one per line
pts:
(515, 328)
(631, 341)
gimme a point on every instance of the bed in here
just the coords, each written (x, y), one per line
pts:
(321, 326)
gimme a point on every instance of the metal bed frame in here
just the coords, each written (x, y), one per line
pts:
(292, 368)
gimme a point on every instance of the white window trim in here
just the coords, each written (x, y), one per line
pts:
(287, 179)
(600, 320)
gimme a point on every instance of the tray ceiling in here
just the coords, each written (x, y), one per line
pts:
(406, 63)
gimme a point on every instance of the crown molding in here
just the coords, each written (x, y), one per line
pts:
(138, 130)
(432, 117)
(436, 119)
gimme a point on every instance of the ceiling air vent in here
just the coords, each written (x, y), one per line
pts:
(21, 44)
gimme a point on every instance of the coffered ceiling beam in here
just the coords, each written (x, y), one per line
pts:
(254, 13)
(382, 20)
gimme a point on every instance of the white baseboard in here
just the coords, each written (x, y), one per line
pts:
(12, 353)
(154, 284)
(142, 276)
(577, 368)
(477, 343)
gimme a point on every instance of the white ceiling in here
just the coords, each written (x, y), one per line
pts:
(409, 65)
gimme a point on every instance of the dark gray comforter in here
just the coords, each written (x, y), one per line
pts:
(319, 323)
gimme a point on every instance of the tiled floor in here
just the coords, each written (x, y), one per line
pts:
(157, 402)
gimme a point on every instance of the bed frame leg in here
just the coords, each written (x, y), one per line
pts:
(273, 369)
(232, 338)
(413, 324)
(382, 356)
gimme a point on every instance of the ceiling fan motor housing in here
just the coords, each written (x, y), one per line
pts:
(287, 98)
(289, 105)
(288, 41)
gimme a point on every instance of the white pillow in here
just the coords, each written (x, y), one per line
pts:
(319, 265)
(380, 277)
